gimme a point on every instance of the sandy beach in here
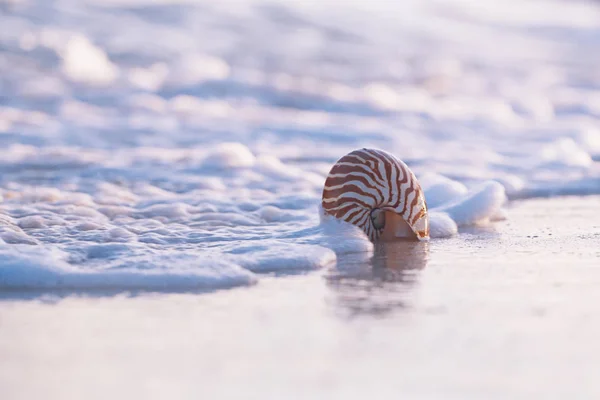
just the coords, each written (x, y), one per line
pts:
(495, 313)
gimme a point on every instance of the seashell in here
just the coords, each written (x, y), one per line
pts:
(378, 193)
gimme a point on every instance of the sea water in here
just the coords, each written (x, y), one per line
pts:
(184, 145)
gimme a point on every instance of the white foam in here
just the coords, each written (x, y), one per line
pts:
(151, 78)
(229, 155)
(196, 68)
(590, 140)
(342, 237)
(16, 236)
(439, 189)
(565, 152)
(32, 222)
(84, 62)
(441, 225)
(272, 214)
(285, 258)
(479, 205)
(43, 87)
(31, 268)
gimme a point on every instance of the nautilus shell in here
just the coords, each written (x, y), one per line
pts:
(378, 193)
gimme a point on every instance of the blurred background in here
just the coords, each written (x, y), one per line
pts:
(471, 89)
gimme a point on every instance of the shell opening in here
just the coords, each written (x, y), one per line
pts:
(378, 219)
(396, 228)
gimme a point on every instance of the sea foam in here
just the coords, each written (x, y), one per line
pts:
(43, 268)
(185, 144)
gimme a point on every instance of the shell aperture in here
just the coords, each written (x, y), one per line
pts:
(378, 193)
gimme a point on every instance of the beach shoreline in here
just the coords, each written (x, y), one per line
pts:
(501, 312)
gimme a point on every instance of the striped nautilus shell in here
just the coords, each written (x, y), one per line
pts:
(378, 193)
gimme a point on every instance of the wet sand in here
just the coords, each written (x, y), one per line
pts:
(511, 311)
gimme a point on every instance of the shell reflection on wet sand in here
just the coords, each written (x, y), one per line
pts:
(381, 285)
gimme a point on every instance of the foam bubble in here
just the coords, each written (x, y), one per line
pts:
(14, 235)
(169, 211)
(565, 151)
(195, 68)
(32, 222)
(441, 225)
(151, 78)
(439, 189)
(229, 155)
(84, 62)
(590, 140)
(271, 214)
(119, 235)
(479, 205)
(88, 226)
